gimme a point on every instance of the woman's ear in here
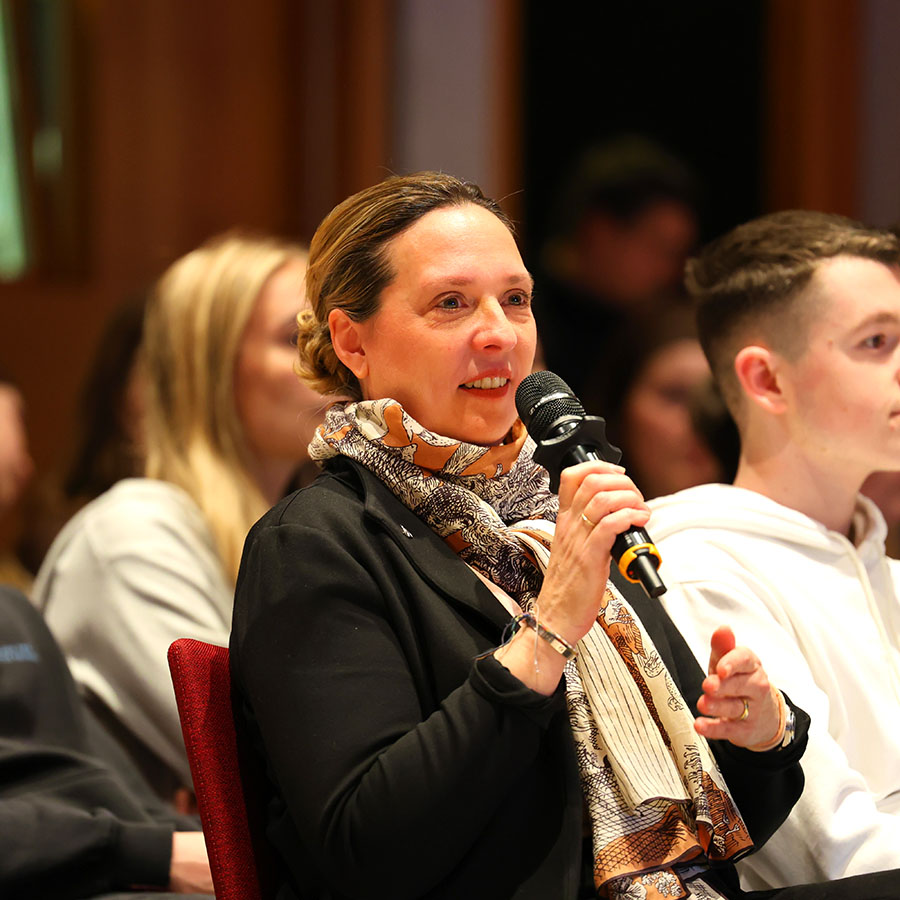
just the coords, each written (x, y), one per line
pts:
(346, 338)
(758, 371)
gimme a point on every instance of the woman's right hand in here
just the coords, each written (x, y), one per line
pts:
(591, 492)
(576, 576)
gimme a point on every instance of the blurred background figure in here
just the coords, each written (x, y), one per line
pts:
(16, 470)
(884, 489)
(656, 372)
(72, 826)
(105, 185)
(111, 445)
(109, 442)
(626, 221)
(226, 427)
(713, 423)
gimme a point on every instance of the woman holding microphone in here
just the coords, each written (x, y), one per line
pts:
(443, 711)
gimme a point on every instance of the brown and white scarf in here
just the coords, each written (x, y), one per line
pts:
(659, 808)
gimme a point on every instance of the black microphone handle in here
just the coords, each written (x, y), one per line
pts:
(635, 554)
(564, 436)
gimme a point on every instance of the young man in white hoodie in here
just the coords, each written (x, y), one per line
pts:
(799, 315)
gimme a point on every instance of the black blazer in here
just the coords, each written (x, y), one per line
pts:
(405, 761)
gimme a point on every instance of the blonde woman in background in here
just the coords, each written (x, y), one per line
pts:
(155, 558)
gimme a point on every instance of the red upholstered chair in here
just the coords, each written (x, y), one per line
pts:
(228, 780)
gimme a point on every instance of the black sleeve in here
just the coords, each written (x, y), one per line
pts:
(68, 825)
(387, 796)
(56, 844)
(765, 786)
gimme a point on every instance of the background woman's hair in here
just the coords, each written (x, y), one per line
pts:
(349, 266)
(192, 333)
(105, 451)
(108, 441)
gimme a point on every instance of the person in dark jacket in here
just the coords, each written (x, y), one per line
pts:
(71, 824)
(446, 708)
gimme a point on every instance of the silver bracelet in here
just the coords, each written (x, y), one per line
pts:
(556, 641)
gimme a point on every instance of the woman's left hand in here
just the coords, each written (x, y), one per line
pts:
(737, 683)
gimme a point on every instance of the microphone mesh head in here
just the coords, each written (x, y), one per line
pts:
(542, 399)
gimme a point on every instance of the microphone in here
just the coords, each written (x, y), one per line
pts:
(564, 435)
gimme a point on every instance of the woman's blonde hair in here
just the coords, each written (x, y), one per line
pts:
(349, 265)
(193, 329)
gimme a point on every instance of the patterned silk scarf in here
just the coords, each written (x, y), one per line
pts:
(659, 808)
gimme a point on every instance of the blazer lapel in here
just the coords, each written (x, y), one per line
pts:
(429, 555)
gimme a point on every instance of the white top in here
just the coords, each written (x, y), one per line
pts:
(131, 572)
(824, 618)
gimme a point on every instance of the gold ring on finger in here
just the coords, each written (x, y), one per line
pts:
(589, 522)
(746, 711)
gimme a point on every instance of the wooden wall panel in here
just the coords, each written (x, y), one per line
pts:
(506, 155)
(813, 91)
(195, 118)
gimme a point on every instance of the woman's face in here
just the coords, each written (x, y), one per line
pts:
(662, 451)
(278, 411)
(454, 333)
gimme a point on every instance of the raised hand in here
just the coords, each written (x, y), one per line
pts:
(738, 703)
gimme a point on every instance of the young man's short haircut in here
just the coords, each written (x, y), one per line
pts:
(753, 275)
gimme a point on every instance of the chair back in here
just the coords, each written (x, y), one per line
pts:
(228, 779)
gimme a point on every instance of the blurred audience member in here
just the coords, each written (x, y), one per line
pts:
(624, 227)
(71, 826)
(884, 489)
(16, 470)
(109, 444)
(112, 409)
(155, 558)
(713, 423)
(654, 378)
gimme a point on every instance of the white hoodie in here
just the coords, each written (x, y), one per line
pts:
(823, 616)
